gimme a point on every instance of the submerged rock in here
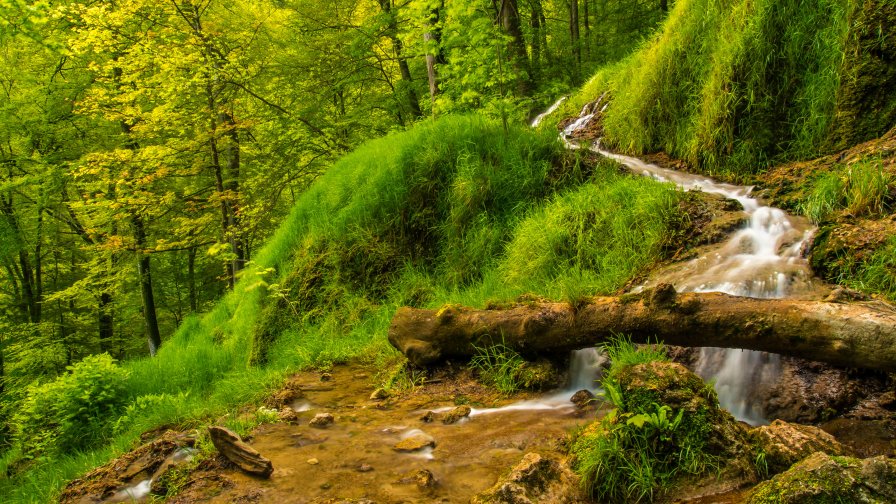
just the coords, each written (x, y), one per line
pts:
(822, 478)
(379, 394)
(229, 444)
(321, 420)
(457, 414)
(414, 443)
(785, 444)
(534, 479)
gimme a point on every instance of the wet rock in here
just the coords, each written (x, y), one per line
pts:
(325, 377)
(785, 444)
(313, 461)
(457, 414)
(287, 415)
(844, 295)
(229, 444)
(150, 460)
(534, 479)
(539, 375)
(582, 399)
(428, 417)
(822, 478)
(379, 394)
(424, 478)
(363, 468)
(322, 420)
(662, 296)
(414, 443)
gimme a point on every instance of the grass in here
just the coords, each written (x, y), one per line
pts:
(499, 366)
(732, 87)
(859, 189)
(442, 213)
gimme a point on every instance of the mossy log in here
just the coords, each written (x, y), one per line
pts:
(860, 335)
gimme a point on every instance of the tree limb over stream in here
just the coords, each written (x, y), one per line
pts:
(861, 335)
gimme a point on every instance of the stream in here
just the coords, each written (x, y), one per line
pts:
(763, 259)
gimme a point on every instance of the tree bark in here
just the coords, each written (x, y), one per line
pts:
(509, 14)
(407, 89)
(574, 33)
(859, 335)
(144, 269)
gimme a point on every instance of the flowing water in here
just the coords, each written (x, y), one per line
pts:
(764, 259)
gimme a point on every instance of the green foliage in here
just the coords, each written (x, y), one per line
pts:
(499, 366)
(876, 274)
(640, 447)
(75, 410)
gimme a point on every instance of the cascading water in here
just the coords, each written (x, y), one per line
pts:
(764, 259)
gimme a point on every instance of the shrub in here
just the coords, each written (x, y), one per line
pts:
(499, 366)
(73, 411)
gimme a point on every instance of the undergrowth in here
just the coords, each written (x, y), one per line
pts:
(499, 366)
(860, 189)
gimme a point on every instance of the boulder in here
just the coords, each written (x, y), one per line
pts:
(457, 414)
(235, 450)
(534, 479)
(785, 444)
(823, 478)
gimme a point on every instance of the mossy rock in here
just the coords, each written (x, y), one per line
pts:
(823, 479)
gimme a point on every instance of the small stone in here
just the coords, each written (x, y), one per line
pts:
(425, 478)
(326, 486)
(365, 468)
(313, 461)
(428, 417)
(379, 394)
(325, 377)
(582, 399)
(456, 414)
(414, 443)
(322, 420)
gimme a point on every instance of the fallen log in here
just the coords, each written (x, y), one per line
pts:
(860, 335)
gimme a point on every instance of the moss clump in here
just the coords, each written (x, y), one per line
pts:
(822, 479)
(667, 427)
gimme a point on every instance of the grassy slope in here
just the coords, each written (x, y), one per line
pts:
(732, 86)
(454, 210)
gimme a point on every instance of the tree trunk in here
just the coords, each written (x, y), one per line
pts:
(574, 33)
(406, 90)
(850, 335)
(664, 6)
(191, 279)
(144, 268)
(106, 322)
(232, 186)
(509, 14)
(535, 24)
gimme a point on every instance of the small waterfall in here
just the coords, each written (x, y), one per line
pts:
(585, 367)
(763, 260)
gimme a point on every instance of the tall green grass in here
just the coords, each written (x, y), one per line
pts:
(453, 211)
(731, 85)
(860, 189)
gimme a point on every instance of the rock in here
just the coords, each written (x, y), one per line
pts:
(425, 479)
(363, 468)
(235, 450)
(456, 414)
(785, 444)
(539, 375)
(582, 399)
(843, 295)
(287, 415)
(325, 377)
(322, 420)
(414, 443)
(313, 461)
(428, 417)
(534, 479)
(379, 394)
(822, 478)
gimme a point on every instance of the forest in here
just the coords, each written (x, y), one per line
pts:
(206, 204)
